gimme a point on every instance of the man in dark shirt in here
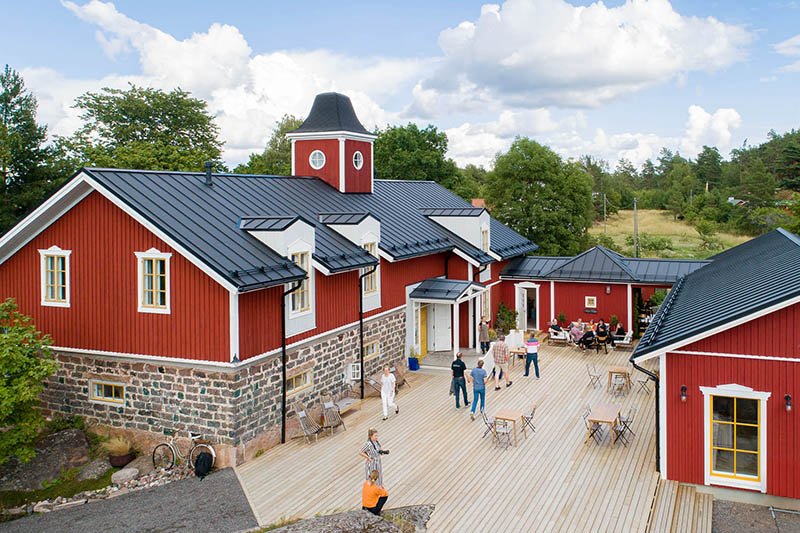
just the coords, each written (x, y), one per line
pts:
(459, 382)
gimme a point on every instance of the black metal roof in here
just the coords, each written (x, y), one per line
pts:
(452, 212)
(342, 218)
(443, 289)
(332, 112)
(507, 243)
(601, 264)
(205, 219)
(738, 283)
(266, 223)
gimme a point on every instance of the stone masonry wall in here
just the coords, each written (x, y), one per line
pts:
(237, 408)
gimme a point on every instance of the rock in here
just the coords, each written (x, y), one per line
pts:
(94, 470)
(67, 505)
(413, 518)
(17, 510)
(143, 463)
(126, 474)
(43, 507)
(117, 493)
(59, 451)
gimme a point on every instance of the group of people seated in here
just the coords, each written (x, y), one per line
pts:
(587, 335)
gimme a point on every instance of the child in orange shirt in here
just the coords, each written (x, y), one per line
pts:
(373, 496)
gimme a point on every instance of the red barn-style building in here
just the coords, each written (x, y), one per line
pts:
(598, 283)
(728, 347)
(212, 302)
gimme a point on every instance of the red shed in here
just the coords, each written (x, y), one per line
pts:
(728, 347)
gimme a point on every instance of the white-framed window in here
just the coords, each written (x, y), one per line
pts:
(735, 424)
(297, 382)
(154, 281)
(107, 392)
(372, 350)
(590, 302)
(317, 159)
(354, 371)
(358, 160)
(370, 281)
(301, 299)
(485, 239)
(55, 276)
(486, 305)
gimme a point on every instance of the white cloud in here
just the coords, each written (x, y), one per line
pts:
(549, 52)
(790, 48)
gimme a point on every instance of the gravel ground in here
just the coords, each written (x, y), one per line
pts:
(732, 517)
(215, 504)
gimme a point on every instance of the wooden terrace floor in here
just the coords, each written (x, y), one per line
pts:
(551, 482)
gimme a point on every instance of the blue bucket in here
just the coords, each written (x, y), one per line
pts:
(413, 363)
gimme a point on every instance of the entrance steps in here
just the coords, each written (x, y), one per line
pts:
(678, 507)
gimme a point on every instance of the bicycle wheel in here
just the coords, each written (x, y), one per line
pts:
(200, 448)
(163, 456)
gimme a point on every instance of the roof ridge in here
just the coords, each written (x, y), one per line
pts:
(662, 311)
(789, 235)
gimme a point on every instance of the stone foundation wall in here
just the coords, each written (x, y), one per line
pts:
(239, 409)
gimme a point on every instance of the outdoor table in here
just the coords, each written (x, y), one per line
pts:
(511, 415)
(622, 371)
(604, 413)
(516, 352)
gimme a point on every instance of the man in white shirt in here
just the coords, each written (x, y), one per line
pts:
(388, 389)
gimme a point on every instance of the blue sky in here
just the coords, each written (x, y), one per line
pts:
(612, 80)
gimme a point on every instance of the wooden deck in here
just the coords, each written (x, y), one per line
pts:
(551, 482)
(679, 508)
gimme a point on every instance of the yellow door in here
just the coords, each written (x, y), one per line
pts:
(423, 330)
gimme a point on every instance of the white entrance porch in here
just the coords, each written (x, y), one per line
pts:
(526, 299)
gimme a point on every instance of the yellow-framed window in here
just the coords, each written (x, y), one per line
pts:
(735, 437)
(371, 280)
(298, 381)
(154, 282)
(300, 298)
(55, 278)
(372, 350)
(103, 391)
(485, 240)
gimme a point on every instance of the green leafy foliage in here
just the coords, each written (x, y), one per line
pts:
(708, 235)
(535, 192)
(276, 159)
(25, 362)
(143, 128)
(506, 319)
(650, 243)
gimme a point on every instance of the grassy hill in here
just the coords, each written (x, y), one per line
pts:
(683, 238)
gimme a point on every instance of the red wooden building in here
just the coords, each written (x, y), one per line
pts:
(211, 302)
(598, 283)
(728, 347)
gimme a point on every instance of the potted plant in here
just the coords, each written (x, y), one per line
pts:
(413, 360)
(562, 319)
(614, 321)
(120, 451)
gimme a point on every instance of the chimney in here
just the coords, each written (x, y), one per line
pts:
(209, 179)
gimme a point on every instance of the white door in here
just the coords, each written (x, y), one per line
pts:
(522, 308)
(442, 328)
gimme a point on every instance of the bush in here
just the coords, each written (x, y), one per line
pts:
(61, 423)
(613, 321)
(650, 243)
(506, 319)
(118, 446)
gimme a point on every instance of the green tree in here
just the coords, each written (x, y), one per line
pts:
(276, 159)
(410, 153)
(542, 197)
(708, 167)
(25, 362)
(142, 127)
(473, 182)
(24, 176)
(756, 184)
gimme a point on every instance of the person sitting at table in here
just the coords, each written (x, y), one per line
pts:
(601, 331)
(576, 331)
(587, 340)
(553, 326)
(591, 325)
(619, 334)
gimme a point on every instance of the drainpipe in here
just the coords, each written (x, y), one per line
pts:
(655, 379)
(361, 322)
(286, 293)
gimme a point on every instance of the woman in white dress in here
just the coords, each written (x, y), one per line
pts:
(388, 390)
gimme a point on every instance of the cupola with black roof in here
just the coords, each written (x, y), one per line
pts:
(333, 145)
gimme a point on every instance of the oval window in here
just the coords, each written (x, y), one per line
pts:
(317, 159)
(358, 160)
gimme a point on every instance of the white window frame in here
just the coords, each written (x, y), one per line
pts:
(745, 393)
(141, 257)
(486, 305)
(374, 274)
(305, 286)
(55, 251)
(102, 399)
(302, 321)
(308, 381)
(590, 302)
(354, 371)
(358, 160)
(485, 242)
(311, 159)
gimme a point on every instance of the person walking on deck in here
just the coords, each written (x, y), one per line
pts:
(483, 335)
(459, 381)
(478, 379)
(501, 353)
(388, 391)
(532, 355)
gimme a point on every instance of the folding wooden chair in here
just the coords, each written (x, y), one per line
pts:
(528, 419)
(310, 427)
(400, 376)
(331, 416)
(594, 429)
(502, 433)
(627, 420)
(619, 385)
(643, 382)
(594, 375)
(489, 423)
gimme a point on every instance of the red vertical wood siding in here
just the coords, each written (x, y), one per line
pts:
(330, 172)
(395, 277)
(570, 299)
(103, 311)
(776, 335)
(685, 439)
(357, 180)
(259, 321)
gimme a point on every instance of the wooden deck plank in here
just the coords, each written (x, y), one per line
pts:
(551, 482)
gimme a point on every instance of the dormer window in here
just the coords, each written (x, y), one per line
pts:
(358, 160)
(301, 302)
(317, 159)
(371, 279)
(485, 239)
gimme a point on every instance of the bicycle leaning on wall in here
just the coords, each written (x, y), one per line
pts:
(167, 454)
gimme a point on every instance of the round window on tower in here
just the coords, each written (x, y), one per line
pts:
(358, 160)
(317, 159)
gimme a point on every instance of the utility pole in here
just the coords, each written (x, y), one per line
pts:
(605, 218)
(635, 231)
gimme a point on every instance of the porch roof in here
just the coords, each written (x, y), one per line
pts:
(449, 290)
